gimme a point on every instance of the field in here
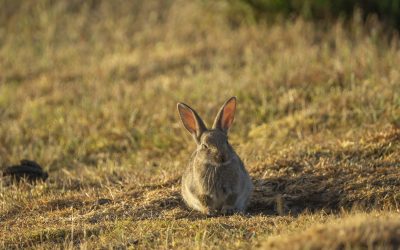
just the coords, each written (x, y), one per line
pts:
(89, 90)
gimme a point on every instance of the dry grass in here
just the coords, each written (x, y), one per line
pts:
(89, 91)
(359, 231)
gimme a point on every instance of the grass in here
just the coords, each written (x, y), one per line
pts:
(89, 90)
(355, 231)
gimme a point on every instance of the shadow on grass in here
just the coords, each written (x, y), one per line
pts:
(328, 181)
(292, 195)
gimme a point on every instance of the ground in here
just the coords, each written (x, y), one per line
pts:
(90, 90)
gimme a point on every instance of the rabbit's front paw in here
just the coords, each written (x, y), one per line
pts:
(211, 212)
(228, 210)
(207, 204)
(206, 200)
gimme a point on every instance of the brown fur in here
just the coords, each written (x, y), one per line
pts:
(216, 180)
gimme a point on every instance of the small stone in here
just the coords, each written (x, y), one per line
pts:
(29, 170)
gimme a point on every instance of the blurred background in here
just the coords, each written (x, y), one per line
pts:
(94, 84)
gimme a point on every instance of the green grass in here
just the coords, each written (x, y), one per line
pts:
(90, 90)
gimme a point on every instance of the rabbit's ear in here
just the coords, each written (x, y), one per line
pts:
(226, 115)
(192, 121)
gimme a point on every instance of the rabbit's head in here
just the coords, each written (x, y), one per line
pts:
(212, 144)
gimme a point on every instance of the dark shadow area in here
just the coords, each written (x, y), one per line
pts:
(387, 11)
(328, 181)
(292, 195)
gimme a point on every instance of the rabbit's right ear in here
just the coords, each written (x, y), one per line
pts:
(192, 121)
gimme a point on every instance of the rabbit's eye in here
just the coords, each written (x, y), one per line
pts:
(204, 146)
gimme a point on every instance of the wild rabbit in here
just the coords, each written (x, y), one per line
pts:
(215, 180)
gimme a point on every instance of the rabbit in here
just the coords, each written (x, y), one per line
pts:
(215, 181)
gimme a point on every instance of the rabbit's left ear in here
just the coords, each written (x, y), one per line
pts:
(225, 115)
